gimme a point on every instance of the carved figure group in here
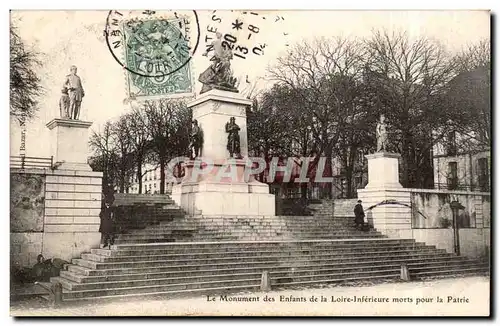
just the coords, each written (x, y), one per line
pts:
(218, 74)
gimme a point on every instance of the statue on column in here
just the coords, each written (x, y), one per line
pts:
(196, 141)
(233, 138)
(73, 85)
(219, 75)
(382, 138)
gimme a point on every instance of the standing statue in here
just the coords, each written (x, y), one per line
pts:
(218, 74)
(381, 134)
(196, 140)
(74, 86)
(233, 138)
(64, 103)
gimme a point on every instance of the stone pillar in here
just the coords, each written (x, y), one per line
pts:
(72, 193)
(207, 194)
(393, 220)
(69, 143)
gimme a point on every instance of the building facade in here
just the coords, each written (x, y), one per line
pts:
(151, 181)
(457, 168)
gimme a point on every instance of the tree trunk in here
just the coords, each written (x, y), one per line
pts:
(122, 174)
(329, 172)
(139, 173)
(162, 174)
(303, 190)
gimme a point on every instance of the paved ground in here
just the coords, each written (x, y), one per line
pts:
(460, 296)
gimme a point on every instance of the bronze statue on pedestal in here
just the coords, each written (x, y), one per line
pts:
(233, 139)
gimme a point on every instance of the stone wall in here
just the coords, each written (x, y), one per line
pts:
(418, 214)
(55, 213)
(27, 206)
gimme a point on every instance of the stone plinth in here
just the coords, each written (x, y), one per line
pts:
(215, 184)
(383, 170)
(213, 110)
(393, 220)
(69, 143)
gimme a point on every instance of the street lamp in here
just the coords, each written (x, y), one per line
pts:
(455, 206)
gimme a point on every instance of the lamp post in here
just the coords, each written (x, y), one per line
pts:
(455, 206)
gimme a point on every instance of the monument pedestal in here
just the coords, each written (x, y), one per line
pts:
(216, 184)
(69, 143)
(383, 170)
(393, 220)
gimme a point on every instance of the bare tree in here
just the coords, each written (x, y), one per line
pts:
(140, 140)
(104, 146)
(468, 97)
(408, 76)
(125, 165)
(321, 73)
(25, 84)
(165, 117)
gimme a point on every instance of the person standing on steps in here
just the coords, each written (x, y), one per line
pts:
(107, 226)
(359, 215)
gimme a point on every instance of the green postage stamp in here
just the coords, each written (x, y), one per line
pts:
(157, 55)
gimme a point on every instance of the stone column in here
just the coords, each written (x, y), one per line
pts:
(72, 193)
(207, 194)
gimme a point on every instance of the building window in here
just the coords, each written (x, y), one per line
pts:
(452, 175)
(483, 174)
(154, 185)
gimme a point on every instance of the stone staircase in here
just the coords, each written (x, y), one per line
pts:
(161, 252)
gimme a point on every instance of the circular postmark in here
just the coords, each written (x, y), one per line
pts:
(150, 44)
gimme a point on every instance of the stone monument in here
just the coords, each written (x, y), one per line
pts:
(73, 190)
(383, 185)
(69, 145)
(218, 182)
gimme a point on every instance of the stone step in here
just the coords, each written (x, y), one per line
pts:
(160, 233)
(271, 259)
(248, 254)
(242, 266)
(237, 249)
(172, 288)
(254, 244)
(262, 235)
(249, 284)
(79, 277)
(276, 277)
(188, 238)
(388, 276)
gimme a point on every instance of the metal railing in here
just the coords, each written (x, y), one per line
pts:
(29, 162)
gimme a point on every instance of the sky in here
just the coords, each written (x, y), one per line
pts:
(68, 38)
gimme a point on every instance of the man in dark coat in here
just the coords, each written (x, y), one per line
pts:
(107, 227)
(359, 215)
